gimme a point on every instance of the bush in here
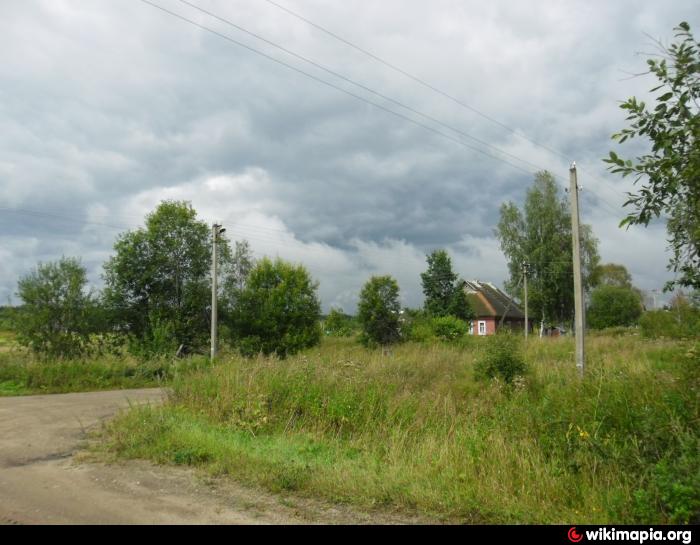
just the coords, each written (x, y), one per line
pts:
(158, 340)
(277, 312)
(449, 328)
(379, 311)
(501, 359)
(415, 325)
(58, 315)
(338, 324)
(681, 322)
(613, 306)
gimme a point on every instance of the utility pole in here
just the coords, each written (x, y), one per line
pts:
(579, 316)
(216, 230)
(525, 271)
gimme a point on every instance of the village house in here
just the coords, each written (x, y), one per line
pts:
(491, 308)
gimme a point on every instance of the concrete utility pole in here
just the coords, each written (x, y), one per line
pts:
(579, 311)
(525, 271)
(216, 230)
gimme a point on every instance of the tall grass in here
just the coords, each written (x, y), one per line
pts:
(413, 429)
(22, 373)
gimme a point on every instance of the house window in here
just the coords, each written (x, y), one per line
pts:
(482, 327)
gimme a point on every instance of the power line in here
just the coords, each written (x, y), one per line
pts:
(360, 85)
(338, 88)
(429, 86)
(604, 202)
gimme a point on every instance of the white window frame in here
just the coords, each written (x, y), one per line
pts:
(482, 331)
(471, 327)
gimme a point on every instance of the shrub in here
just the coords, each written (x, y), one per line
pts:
(277, 312)
(418, 329)
(613, 306)
(379, 311)
(338, 324)
(158, 340)
(681, 322)
(58, 315)
(449, 328)
(501, 359)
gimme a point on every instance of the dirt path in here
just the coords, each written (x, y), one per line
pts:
(41, 482)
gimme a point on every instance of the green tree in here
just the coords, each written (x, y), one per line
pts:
(338, 324)
(379, 311)
(613, 306)
(158, 282)
(540, 236)
(278, 310)
(611, 274)
(58, 314)
(236, 273)
(444, 292)
(671, 170)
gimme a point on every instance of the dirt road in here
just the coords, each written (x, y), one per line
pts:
(41, 482)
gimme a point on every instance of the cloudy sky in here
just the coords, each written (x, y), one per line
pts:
(109, 106)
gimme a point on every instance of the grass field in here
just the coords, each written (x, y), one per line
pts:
(414, 430)
(22, 373)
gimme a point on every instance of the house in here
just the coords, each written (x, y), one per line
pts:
(490, 305)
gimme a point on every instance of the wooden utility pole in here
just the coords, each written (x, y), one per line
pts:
(527, 326)
(579, 311)
(216, 230)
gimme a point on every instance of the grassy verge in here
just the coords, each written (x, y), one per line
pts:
(23, 374)
(414, 430)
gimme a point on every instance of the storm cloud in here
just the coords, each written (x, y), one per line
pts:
(108, 107)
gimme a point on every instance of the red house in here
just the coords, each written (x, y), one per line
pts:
(490, 306)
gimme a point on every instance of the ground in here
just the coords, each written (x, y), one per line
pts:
(46, 477)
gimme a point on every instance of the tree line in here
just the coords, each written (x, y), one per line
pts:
(157, 290)
(157, 296)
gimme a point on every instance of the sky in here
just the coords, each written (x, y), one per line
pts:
(108, 107)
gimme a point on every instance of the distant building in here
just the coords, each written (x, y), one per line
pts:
(490, 305)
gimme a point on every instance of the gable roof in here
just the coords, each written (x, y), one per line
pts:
(488, 300)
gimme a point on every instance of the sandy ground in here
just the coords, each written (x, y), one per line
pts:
(43, 482)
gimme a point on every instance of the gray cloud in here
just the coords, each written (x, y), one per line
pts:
(107, 107)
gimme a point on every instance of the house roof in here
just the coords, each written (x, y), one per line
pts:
(488, 300)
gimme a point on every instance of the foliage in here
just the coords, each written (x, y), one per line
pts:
(278, 310)
(23, 374)
(671, 170)
(58, 315)
(540, 236)
(449, 328)
(236, 272)
(611, 274)
(160, 274)
(613, 306)
(502, 359)
(444, 292)
(417, 434)
(379, 311)
(8, 318)
(339, 324)
(680, 321)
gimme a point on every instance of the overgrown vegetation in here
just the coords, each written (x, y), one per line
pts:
(613, 306)
(417, 430)
(58, 314)
(339, 324)
(278, 311)
(23, 374)
(378, 312)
